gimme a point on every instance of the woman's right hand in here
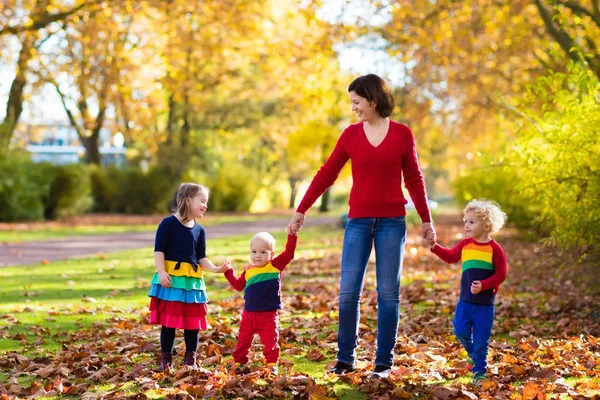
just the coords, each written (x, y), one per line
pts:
(165, 279)
(295, 224)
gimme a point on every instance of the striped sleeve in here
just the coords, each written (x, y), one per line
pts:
(499, 261)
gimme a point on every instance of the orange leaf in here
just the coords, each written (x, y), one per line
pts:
(531, 391)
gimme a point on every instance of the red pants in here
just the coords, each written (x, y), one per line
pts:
(266, 324)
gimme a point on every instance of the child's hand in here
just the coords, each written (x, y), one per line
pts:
(476, 287)
(224, 267)
(430, 239)
(165, 279)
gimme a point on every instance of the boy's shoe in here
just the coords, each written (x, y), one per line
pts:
(273, 369)
(341, 368)
(479, 378)
(381, 372)
(470, 364)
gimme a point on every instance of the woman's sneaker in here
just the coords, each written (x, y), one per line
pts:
(381, 372)
(479, 378)
(341, 368)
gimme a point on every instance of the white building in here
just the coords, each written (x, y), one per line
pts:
(59, 144)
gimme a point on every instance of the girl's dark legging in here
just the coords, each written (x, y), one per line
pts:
(167, 339)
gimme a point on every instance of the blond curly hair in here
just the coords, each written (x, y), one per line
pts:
(489, 211)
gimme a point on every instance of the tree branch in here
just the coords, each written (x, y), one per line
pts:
(68, 111)
(565, 41)
(43, 20)
(580, 10)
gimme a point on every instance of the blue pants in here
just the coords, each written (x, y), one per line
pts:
(473, 328)
(388, 235)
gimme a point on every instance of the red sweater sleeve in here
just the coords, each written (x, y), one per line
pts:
(452, 255)
(282, 260)
(237, 283)
(499, 260)
(327, 174)
(413, 178)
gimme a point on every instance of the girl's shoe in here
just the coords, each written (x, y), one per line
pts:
(190, 359)
(479, 378)
(166, 362)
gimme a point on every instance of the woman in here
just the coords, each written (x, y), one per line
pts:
(382, 151)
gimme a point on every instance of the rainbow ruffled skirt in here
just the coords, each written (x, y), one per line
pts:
(183, 305)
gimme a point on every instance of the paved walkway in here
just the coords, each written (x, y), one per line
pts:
(25, 253)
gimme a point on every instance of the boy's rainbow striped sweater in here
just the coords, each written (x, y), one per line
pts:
(483, 262)
(262, 285)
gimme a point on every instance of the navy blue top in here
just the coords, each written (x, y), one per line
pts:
(180, 243)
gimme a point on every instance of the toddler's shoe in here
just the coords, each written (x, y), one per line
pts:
(273, 369)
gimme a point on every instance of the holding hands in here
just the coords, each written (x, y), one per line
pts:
(295, 224)
(429, 235)
(224, 267)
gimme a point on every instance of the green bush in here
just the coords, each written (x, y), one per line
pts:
(22, 187)
(69, 193)
(500, 184)
(104, 187)
(559, 152)
(138, 192)
(233, 188)
(553, 182)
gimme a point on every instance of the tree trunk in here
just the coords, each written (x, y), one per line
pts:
(14, 106)
(185, 128)
(92, 151)
(325, 200)
(294, 191)
(171, 120)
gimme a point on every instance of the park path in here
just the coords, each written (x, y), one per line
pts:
(26, 253)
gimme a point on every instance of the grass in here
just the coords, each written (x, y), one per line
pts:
(44, 306)
(50, 230)
(58, 299)
(74, 294)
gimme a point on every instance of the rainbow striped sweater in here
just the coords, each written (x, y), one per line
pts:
(483, 262)
(262, 285)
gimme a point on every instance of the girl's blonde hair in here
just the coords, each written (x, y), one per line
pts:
(489, 211)
(267, 238)
(188, 191)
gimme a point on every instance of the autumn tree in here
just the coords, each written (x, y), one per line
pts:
(28, 25)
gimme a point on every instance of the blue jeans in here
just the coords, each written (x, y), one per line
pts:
(473, 328)
(389, 235)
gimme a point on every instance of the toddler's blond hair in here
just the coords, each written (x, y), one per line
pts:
(265, 237)
(489, 211)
